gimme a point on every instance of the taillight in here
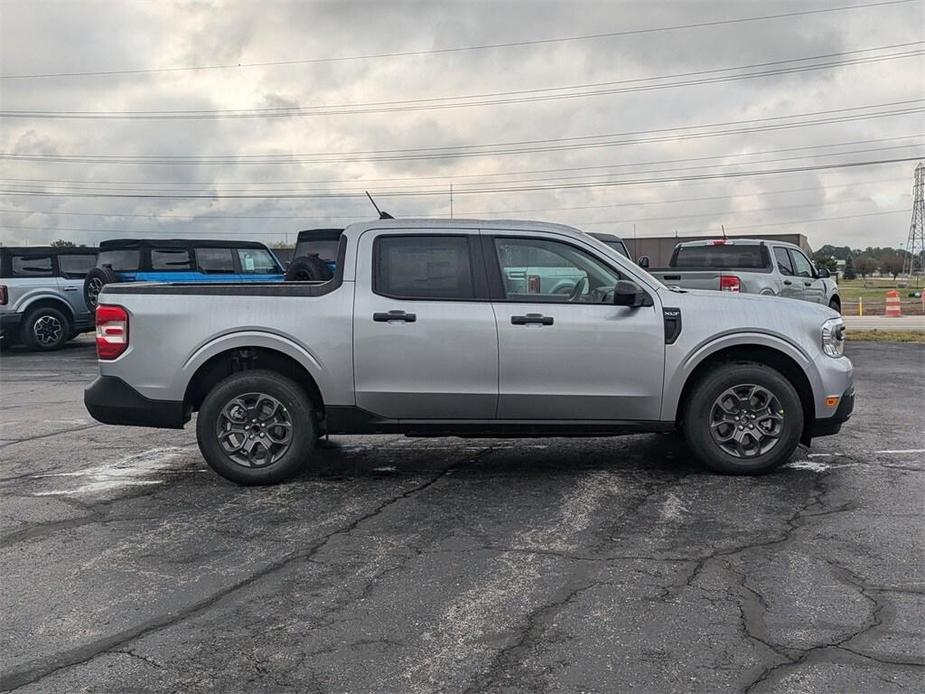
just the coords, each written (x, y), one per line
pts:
(729, 283)
(533, 284)
(4, 296)
(719, 242)
(111, 331)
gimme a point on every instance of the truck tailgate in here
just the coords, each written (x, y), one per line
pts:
(688, 279)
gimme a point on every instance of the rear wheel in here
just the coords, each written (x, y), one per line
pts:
(46, 329)
(743, 418)
(256, 427)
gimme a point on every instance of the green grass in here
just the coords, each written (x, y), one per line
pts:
(885, 336)
(851, 290)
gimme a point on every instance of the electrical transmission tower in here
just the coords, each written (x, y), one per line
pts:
(915, 246)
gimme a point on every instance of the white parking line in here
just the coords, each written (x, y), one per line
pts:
(907, 450)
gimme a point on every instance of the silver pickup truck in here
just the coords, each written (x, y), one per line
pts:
(420, 333)
(749, 266)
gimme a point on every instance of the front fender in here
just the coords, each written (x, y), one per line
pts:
(254, 338)
(687, 364)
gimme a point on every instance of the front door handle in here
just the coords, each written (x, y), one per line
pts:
(807, 284)
(70, 289)
(532, 318)
(788, 282)
(396, 316)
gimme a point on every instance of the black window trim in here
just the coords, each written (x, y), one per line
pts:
(480, 291)
(496, 283)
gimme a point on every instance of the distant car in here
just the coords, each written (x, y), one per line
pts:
(615, 242)
(41, 304)
(749, 266)
(180, 260)
(315, 256)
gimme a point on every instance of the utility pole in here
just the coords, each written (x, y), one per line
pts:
(451, 201)
(915, 245)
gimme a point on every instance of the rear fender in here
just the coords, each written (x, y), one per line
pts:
(254, 338)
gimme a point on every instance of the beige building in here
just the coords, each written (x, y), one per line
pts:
(659, 248)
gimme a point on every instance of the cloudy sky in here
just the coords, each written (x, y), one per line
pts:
(675, 117)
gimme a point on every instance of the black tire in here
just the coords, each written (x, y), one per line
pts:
(703, 409)
(239, 388)
(94, 282)
(308, 268)
(835, 305)
(45, 329)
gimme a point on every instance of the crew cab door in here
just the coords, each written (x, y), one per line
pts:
(813, 287)
(791, 285)
(424, 339)
(571, 355)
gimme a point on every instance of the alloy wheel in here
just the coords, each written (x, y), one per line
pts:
(254, 429)
(47, 330)
(746, 421)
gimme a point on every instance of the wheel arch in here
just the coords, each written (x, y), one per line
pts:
(762, 354)
(48, 301)
(235, 359)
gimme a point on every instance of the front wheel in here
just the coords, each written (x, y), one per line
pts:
(256, 427)
(743, 418)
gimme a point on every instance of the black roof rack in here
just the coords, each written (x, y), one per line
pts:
(49, 250)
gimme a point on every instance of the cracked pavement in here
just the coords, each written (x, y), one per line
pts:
(422, 565)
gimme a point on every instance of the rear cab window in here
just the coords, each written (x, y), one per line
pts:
(721, 256)
(76, 266)
(423, 267)
(32, 266)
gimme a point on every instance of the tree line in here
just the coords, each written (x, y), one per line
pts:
(889, 261)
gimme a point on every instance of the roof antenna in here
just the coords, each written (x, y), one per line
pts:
(721, 226)
(382, 215)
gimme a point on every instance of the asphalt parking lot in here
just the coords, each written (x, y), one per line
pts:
(402, 564)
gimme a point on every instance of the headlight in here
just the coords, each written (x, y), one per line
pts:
(833, 337)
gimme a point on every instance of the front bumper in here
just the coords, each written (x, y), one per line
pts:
(832, 425)
(111, 400)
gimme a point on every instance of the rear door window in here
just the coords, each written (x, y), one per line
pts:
(75, 266)
(783, 261)
(170, 259)
(215, 260)
(119, 261)
(31, 266)
(423, 267)
(257, 261)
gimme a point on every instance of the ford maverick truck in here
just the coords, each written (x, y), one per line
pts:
(424, 330)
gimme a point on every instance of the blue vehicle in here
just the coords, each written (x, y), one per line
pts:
(180, 260)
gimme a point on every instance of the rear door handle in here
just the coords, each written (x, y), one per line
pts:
(394, 316)
(788, 282)
(532, 318)
(807, 284)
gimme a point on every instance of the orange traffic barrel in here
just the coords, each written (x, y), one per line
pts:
(893, 307)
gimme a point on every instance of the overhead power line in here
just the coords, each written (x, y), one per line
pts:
(438, 188)
(460, 49)
(793, 222)
(470, 191)
(905, 107)
(205, 218)
(498, 98)
(493, 174)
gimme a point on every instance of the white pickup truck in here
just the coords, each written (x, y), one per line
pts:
(422, 332)
(749, 266)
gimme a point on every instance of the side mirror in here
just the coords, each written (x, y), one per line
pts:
(628, 293)
(643, 261)
(822, 273)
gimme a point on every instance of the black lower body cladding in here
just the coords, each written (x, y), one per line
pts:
(111, 400)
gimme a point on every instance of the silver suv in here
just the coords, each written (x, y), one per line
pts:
(428, 329)
(41, 295)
